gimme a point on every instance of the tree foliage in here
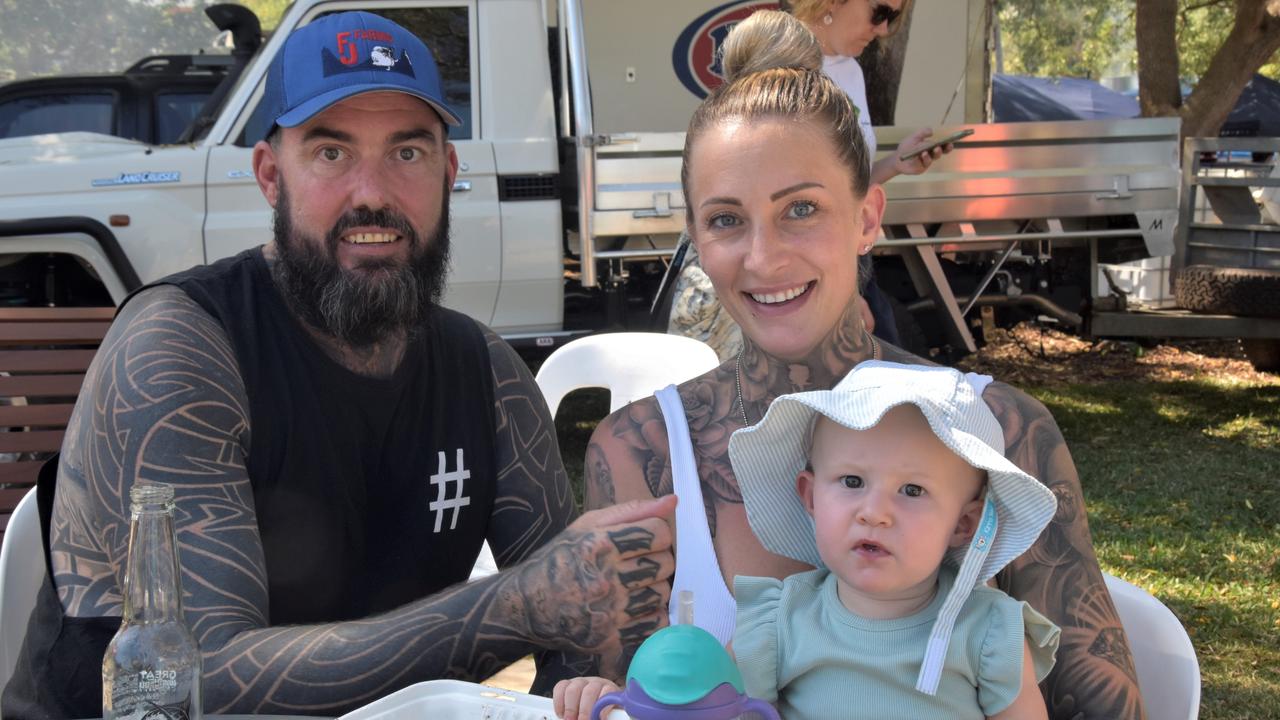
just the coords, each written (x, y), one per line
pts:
(1096, 38)
(1066, 38)
(52, 37)
(1252, 42)
(1212, 47)
(269, 12)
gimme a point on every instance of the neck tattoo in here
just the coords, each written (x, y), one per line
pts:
(737, 372)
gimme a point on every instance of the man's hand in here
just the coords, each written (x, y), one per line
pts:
(601, 586)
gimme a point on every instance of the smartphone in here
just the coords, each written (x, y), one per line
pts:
(936, 143)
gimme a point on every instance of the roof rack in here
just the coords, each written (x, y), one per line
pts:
(180, 65)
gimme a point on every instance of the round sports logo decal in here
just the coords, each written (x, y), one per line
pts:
(696, 56)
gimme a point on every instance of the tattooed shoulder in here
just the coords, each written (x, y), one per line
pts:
(1026, 421)
(599, 487)
(627, 457)
(164, 370)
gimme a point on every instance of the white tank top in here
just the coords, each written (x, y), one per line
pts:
(697, 567)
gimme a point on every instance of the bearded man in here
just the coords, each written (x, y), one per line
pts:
(340, 445)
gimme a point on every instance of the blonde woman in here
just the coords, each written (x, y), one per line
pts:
(844, 29)
(777, 178)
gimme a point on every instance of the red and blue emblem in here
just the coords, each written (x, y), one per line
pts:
(696, 55)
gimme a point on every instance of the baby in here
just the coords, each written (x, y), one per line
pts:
(904, 502)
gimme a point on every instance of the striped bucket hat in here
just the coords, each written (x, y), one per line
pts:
(767, 457)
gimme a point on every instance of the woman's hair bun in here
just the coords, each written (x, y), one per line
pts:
(766, 40)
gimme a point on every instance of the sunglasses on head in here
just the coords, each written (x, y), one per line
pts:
(881, 14)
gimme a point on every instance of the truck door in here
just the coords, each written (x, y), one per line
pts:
(239, 216)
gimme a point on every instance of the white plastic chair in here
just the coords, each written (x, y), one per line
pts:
(485, 564)
(631, 365)
(21, 574)
(1168, 672)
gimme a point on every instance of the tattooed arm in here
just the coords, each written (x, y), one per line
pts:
(533, 501)
(1059, 576)
(627, 461)
(164, 401)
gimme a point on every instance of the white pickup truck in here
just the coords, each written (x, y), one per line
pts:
(568, 205)
(85, 218)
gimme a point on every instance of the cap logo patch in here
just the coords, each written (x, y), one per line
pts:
(383, 57)
(380, 58)
(347, 47)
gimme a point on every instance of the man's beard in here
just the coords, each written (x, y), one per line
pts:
(378, 298)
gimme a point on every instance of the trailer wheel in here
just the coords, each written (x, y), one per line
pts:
(1249, 292)
(1264, 353)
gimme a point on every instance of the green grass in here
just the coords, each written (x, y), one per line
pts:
(1182, 481)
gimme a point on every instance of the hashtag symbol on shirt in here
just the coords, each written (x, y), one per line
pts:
(457, 501)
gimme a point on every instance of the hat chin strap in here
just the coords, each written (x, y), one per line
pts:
(935, 654)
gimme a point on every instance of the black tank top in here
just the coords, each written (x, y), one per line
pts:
(370, 493)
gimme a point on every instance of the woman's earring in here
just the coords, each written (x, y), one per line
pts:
(827, 19)
(864, 249)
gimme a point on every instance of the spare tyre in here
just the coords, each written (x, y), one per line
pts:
(1250, 292)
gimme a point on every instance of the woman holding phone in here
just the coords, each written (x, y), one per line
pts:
(844, 29)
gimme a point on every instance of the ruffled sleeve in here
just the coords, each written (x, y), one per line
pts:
(755, 640)
(1000, 669)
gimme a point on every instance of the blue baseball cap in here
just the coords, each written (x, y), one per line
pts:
(347, 54)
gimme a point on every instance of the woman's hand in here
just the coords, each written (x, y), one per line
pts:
(921, 162)
(892, 165)
(573, 699)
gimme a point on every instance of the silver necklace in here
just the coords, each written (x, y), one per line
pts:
(737, 372)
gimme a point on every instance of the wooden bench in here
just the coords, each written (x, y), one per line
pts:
(44, 353)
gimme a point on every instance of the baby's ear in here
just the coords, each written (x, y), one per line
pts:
(970, 516)
(804, 488)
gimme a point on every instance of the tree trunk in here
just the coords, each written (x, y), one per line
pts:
(1254, 38)
(1159, 92)
(882, 65)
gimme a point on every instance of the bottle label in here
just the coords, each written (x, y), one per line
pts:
(151, 695)
(159, 682)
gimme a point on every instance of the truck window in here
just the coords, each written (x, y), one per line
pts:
(61, 112)
(447, 31)
(173, 112)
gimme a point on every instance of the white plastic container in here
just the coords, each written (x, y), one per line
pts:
(455, 700)
(1146, 281)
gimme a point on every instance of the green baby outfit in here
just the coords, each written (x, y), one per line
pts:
(800, 648)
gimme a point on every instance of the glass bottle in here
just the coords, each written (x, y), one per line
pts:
(152, 668)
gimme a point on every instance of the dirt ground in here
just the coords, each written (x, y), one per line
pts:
(1032, 355)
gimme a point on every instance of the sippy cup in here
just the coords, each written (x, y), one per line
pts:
(682, 672)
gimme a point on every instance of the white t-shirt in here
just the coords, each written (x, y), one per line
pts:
(847, 75)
